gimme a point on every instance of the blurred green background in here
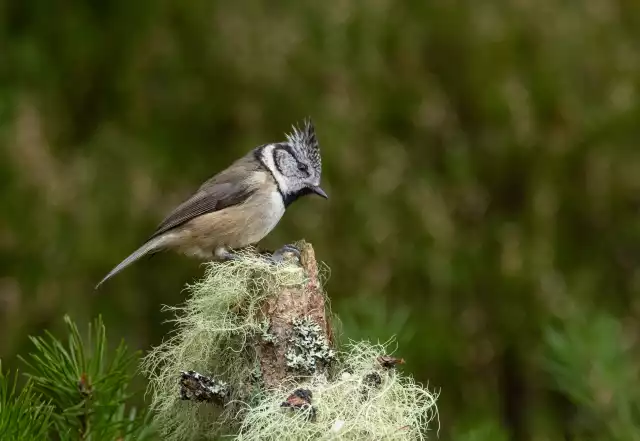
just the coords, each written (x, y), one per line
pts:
(481, 159)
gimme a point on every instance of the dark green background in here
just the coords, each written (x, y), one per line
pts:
(481, 158)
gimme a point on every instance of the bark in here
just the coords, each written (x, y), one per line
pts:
(307, 301)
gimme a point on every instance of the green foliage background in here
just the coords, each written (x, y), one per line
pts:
(481, 160)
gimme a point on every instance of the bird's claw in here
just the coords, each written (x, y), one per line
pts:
(287, 253)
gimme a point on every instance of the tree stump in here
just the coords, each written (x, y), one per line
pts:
(300, 326)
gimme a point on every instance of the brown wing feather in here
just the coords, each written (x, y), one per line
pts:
(216, 194)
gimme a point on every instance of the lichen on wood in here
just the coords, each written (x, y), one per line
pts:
(299, 323)
(253, 354)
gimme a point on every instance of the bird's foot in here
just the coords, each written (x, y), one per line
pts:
(224, 254)
(286, 254)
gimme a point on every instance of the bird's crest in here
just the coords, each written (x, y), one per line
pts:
(305, 139)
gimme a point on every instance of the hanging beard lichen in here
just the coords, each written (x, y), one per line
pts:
(206, 379)
(362, 400)
(213, 336)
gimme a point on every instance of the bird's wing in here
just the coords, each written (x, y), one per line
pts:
(213, 197)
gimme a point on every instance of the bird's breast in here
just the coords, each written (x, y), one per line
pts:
(262, 213)
(233, 227)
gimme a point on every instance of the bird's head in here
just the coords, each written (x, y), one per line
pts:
(296, 163)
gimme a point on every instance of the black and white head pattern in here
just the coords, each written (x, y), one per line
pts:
(296, 163)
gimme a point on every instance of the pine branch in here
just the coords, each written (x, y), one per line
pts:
(23, 414)
(592, 364)
(88, 393)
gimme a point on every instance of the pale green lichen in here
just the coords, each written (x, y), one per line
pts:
(267, 336)
(213, 333)
(216, 330)
(394, 407)
(309, 347)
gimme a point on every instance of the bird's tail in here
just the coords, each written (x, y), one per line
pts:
(151, 246)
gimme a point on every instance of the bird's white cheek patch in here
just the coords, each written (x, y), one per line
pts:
(269, 160)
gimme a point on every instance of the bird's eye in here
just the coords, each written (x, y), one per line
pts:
(302, 167)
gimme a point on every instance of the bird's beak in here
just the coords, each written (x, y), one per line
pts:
(320, 192)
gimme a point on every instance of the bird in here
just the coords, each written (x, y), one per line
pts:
(240, 205)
